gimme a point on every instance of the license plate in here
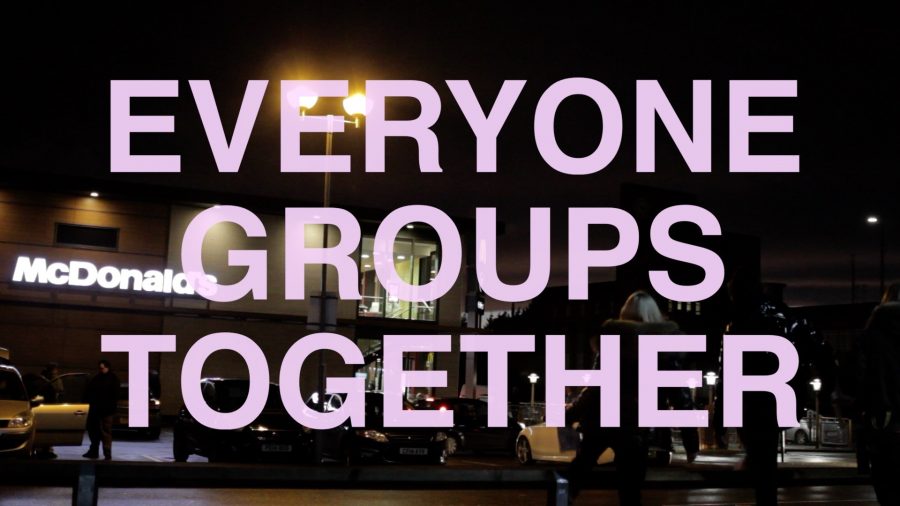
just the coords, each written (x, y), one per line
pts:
(276, 448)
(414, 451)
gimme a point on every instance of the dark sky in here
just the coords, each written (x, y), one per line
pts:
(59, 63)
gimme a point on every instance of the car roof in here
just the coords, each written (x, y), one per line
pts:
(231, 380)
(5, 367)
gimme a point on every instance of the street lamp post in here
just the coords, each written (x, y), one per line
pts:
(817, 385)
(876, 221)
(533, 378)
(711, 379)
(354, 106)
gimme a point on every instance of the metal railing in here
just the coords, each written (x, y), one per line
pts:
(86, 478)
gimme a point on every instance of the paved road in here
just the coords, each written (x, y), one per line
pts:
(21, 496)
(132, 449)
(160, 451)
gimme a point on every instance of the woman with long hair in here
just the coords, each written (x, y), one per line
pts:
(640, 315)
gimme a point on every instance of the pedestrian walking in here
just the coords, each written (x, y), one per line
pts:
(879, 394)
(640, 315)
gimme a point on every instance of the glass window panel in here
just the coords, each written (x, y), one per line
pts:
(416, 262)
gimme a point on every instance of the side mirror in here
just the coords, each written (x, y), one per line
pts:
(37, 400)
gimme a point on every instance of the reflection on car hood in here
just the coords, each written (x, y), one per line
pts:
(274, 420)
(9, 409)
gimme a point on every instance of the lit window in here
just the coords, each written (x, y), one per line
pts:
(416, 261)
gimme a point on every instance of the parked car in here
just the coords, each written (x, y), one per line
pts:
(799, 435)
(378, 443)
(470, 431)
(835, 431)
(559, 444)
(154, 423)
(273, 435)
(16, 416)
(60, 410)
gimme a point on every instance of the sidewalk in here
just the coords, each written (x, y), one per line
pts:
(794, 458)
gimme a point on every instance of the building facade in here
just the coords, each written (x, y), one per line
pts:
(77, 262)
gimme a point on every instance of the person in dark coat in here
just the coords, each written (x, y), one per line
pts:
(753, 314)
(102, 396)
(879, 394)
(640, 315)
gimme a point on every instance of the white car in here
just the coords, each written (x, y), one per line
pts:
(16, 417)
(559, 444)
(552, 444)
(60, 413)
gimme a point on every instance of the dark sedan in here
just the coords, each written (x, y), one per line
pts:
(377, 443)
(470, 430)
(154, 420)
(274, 435)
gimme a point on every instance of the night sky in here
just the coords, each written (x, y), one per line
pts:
(56, 111)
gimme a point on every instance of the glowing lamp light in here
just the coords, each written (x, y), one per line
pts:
(95, 194)
(711, 378)
(816, 384)
(533, 378)
(307, 102)
(355, 104)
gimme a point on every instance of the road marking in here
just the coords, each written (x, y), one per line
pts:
(154, 459)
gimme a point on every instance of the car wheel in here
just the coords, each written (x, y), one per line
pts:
(801, 438)
(452, 445)
(523, 451)
(179, 447)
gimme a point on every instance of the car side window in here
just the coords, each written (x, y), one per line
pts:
(465, 413)
(334, 403)
(481, 410)
(70, 388)
(209, 394)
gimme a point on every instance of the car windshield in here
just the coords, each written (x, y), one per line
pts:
(230, 396)
(11, 387)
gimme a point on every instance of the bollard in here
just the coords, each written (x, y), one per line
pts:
(85, 491)
(558, 495)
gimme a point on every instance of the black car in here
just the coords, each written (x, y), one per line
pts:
(154, 419)
(274, 435)
(470, 430)
(377, 443)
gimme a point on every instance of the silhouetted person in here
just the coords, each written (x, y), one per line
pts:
(640, 315)
(52, 392)
(102, 396)
(752, 314)
(879, 377)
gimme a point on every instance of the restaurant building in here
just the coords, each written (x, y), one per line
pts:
(80, 259)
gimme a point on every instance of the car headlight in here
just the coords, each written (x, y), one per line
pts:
(374, 435)
(440, 436)
(155, 403)
(259, 428)
(21, 421)
(521, 425)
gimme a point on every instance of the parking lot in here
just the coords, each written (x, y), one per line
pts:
(132, 448)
